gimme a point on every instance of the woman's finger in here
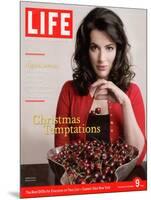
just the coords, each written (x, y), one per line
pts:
(98, 83)
(101, 91)
(111, 98)
(101, 97)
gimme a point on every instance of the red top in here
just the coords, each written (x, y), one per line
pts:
(71, 104)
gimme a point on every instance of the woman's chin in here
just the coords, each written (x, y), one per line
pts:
(102, 77)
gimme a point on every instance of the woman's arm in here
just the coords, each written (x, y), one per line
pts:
(133, 109)
(133, 112)
(132, 131)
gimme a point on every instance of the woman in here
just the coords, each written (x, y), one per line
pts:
(102, 82)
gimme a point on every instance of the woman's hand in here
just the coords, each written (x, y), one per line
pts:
(103, 90)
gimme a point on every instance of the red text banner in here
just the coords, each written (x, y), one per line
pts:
(40, 191)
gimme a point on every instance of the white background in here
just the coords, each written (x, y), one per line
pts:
(9, 101)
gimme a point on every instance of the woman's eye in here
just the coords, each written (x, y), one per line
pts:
(93, 48)
(110, 48)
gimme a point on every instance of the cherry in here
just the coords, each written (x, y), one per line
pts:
(98, 110)
(92, 113)
(96, 175)
(104, 156)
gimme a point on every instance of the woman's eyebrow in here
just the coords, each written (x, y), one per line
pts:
(93, 43)
(109, 44)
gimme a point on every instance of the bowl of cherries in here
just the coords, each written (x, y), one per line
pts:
(92, 161)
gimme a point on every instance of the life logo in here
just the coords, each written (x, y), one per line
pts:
(53, 23)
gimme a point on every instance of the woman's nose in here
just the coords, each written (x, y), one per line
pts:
(101, 56)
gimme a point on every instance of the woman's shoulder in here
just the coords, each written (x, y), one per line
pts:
(133, 86)
(133, 89)
(68, 86)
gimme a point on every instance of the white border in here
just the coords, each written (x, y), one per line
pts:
(9, 104)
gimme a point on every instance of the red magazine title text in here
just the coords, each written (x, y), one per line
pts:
(53, 23)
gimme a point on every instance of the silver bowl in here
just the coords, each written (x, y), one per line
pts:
(120, 173)
(56, 167)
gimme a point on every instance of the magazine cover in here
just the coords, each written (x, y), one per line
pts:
(83, 99)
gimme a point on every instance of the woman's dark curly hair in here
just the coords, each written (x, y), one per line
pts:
(83, 74)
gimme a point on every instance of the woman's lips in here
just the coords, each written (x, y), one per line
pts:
(102, 67)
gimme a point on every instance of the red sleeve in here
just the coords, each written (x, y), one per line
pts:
(63, 110)
(139, 111)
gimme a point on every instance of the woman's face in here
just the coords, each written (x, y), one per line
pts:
(102, 52)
